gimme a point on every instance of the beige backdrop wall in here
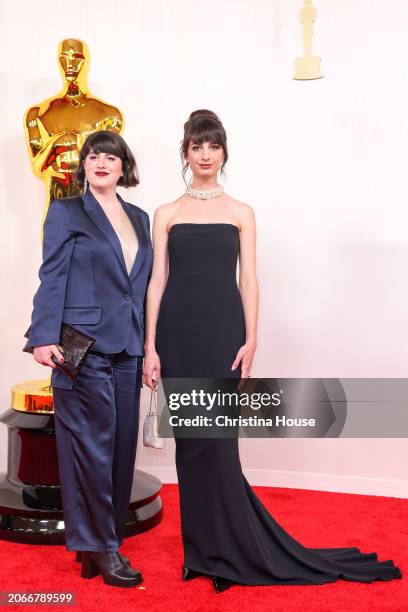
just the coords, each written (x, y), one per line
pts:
(323, 163)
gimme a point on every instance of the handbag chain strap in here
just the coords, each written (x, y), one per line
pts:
(153, 394)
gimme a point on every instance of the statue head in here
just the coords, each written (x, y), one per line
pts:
(73, 56)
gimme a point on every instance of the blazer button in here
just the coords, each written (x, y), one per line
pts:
(126, 296)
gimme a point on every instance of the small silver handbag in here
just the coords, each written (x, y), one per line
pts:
(151, 425)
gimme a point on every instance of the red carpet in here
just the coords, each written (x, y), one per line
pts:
(377, 524)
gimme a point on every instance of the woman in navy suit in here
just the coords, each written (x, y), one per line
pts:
(97, 259)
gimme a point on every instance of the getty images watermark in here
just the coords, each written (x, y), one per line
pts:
(221, 399)
(290, 407)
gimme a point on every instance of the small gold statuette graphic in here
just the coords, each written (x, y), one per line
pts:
(308, 66)
(56, 128)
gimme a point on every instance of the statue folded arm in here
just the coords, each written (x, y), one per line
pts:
(41, 144)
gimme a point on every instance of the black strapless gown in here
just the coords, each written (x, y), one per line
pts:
(226, 530)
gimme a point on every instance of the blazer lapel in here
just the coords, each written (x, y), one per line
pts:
(95, 211)
(140, 233)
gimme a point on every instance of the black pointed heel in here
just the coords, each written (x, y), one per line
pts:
(189, 574)
(89, 569)
(221, 584)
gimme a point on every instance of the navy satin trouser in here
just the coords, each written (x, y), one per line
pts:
(96, 424)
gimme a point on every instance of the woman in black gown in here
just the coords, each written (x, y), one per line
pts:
(200, 325)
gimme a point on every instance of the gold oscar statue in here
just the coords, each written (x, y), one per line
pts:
(55, 131)
(308, 66)
(56, 128)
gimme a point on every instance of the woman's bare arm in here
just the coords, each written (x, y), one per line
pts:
(248, 287)
(158, 279)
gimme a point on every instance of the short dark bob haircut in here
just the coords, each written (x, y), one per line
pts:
(203, 126)
(107, 141)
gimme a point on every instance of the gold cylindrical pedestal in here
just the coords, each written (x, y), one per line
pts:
(33, 396)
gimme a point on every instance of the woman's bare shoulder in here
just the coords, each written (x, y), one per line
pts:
(169, 208)
(243, 211)
(166, 212)
(241, 206)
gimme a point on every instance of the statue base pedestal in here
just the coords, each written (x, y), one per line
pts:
(307, 68)
(30, 499)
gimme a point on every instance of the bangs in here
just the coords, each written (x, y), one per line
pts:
(207, 132)
(103, 142)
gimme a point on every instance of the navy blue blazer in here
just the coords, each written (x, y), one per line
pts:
(84, 281)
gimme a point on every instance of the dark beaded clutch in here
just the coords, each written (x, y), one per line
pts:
(74, 345)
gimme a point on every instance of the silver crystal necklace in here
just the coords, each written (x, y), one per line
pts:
(204, 194)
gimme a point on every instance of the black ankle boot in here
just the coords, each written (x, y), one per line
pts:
(125, 560)
(189, 574)
(221, 584)
(111, 567)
